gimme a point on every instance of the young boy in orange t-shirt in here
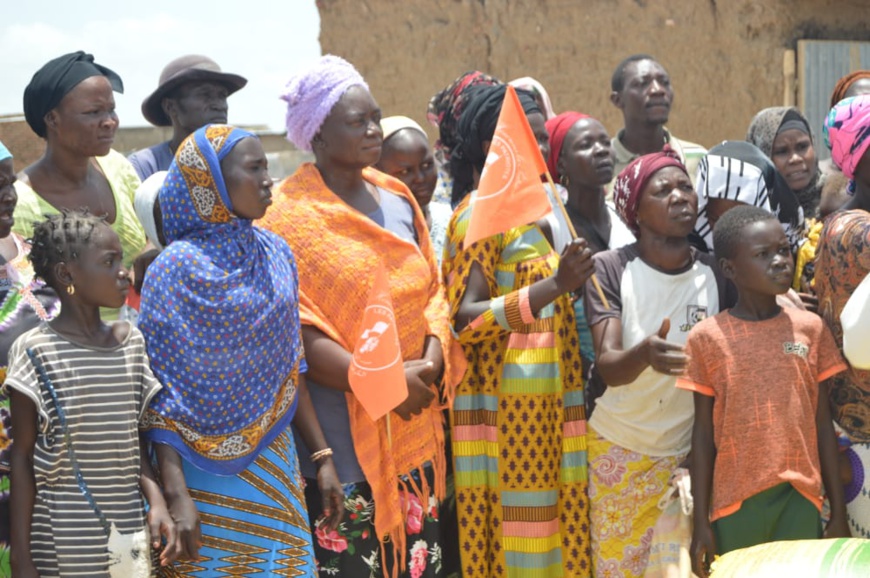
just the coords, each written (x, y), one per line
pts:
(763, 441)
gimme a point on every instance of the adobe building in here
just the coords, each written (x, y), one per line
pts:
(16, 134)
(727, 59)
(21, 141)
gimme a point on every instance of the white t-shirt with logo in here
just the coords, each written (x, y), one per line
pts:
(650, 416)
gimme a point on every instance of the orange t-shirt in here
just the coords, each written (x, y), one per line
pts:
(764, 376)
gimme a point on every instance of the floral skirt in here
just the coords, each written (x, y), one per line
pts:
(353, 550)
(624, 491)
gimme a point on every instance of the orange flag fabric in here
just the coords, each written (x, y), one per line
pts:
(510, 192)
(376, 373)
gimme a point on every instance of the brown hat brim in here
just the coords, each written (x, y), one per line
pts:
(152, 107)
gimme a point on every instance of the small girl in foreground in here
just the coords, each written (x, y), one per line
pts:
(78, 389)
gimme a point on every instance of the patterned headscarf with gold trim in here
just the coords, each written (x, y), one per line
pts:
(220, 315)
(194, 186)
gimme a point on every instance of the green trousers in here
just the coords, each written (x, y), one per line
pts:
(779, 513)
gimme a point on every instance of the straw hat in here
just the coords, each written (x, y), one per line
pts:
(187, 68)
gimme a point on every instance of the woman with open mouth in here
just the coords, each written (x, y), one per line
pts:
(784, 135)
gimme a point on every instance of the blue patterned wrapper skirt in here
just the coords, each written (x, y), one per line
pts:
(254, 523)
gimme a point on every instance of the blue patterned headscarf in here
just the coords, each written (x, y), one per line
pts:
(220, 317)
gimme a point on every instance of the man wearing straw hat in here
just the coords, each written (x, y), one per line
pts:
(192, 93)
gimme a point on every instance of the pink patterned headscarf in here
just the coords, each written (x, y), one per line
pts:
(847, 129)
(312, 94)
(633, 178)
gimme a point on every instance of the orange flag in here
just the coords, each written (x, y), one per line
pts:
(376, 373)
(510, 192)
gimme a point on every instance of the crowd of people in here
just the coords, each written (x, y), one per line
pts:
(176, 334)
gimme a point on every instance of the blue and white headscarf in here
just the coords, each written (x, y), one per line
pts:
(220, 317)
(4, 152)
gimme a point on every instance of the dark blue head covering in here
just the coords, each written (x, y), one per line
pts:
(220, 317)
(55, 79)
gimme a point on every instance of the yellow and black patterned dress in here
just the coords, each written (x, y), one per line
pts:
(519, 422)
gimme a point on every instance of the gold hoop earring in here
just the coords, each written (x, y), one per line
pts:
(70, 289)
(563, 180)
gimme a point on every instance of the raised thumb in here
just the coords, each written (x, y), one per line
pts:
(665, 328)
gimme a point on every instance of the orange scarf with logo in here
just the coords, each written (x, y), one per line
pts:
(338, 251)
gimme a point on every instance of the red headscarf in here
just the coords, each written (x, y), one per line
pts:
(633, 178)
(558, 127)
(845, 84)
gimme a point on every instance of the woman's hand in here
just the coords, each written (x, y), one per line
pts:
(188, 535)
(161, 524)
(187, 525)
(332, 494)
(664, 356)
(809, 301)
(432, 352)
(575, 266)
(420, 394)
(703, 549)
(792, 298)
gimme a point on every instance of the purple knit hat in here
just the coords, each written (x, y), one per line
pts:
(312, 94)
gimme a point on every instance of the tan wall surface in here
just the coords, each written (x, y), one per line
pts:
(27, 148)
(725, 57)
(22, 142)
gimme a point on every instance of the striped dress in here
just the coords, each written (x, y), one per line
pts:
(103, 393)
(519, 424)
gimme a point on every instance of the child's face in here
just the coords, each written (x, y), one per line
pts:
(406, 155)
(763, 262)
(98, 274)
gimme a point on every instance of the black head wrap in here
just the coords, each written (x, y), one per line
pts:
(55, 79)
(476, 126)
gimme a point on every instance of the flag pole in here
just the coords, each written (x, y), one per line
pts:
(573, 232)
(389, 431)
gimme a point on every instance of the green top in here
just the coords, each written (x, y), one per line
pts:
(32, 208)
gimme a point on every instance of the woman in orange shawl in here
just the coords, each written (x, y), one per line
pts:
(344, 222)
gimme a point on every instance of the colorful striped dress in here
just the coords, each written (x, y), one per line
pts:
(24, 302)
(519, 423)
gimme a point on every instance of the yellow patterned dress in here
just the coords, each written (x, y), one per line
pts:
(519, 423)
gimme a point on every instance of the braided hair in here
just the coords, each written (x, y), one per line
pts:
(60, 238)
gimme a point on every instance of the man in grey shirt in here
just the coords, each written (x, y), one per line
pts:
(192, 93)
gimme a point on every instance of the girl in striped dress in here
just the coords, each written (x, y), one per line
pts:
(79, 387)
